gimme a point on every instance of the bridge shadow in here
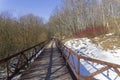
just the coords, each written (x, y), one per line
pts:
(37, 70)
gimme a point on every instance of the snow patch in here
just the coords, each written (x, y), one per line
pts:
(109, 34)
(84, 46)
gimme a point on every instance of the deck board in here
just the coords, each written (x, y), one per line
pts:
(39, 68)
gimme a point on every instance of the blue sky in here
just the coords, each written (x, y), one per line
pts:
(42, 8)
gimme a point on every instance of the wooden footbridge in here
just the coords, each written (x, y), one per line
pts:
(49, 60)
(48, 66)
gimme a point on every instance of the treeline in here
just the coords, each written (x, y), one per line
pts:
(21, 33)
(77, 15)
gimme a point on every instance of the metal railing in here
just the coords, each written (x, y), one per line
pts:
(74, 60)
(17, 63)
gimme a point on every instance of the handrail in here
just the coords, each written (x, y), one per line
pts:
(68, 54)
(18, 53)
(15, 64)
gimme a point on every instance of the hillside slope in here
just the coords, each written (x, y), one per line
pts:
(105, 48)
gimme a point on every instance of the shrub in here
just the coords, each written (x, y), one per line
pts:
(92, 31)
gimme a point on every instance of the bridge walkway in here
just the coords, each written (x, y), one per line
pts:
(49, 65)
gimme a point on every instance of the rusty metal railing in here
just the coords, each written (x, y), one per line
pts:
(16, 63)
(74, 61)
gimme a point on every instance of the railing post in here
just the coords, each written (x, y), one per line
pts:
(7, 67)
(35, 50)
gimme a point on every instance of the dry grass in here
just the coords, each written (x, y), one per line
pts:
(63, 41)
(108, 42)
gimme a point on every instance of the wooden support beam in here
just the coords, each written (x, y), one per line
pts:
(99, 71)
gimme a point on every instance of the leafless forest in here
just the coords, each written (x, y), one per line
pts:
(73, 18)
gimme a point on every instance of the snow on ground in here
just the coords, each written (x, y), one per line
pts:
(84, 46)
(109, 34)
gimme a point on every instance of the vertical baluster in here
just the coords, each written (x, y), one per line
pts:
(7, 67)
(35, 50)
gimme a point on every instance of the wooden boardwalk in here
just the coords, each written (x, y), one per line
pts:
(48, 66)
